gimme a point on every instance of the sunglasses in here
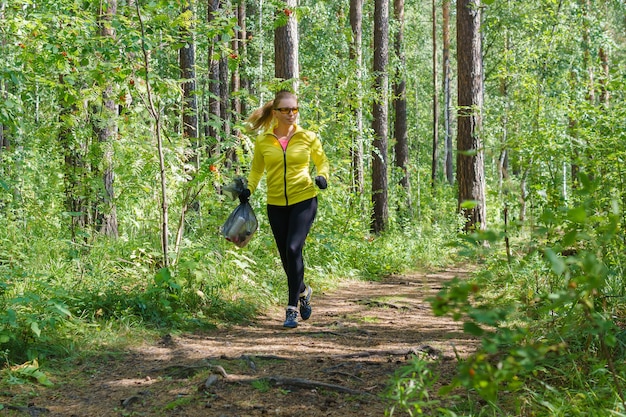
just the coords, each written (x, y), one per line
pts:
(286, 110)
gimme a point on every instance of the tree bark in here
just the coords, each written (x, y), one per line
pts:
(380, 117)
(245, 82)
(238, 44)
(213, 118)
(107, 132)
(604, 81)
(470, 159)
(591, 93)
(356, 56)
(503, 159)
(187, 63)
(447, 94)
(74, 177)
(4, 139)
(224, 94)
(399, 104)
(286, 62)
(435, 154)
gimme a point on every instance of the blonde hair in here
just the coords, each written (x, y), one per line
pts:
(262, 117)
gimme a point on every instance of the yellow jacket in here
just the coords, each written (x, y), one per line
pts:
(288, 172)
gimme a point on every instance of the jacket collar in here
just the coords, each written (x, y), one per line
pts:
(270, 130)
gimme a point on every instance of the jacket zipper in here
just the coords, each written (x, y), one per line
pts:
(285, 173)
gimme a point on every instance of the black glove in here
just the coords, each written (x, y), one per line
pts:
(321, 182)
(244, 196)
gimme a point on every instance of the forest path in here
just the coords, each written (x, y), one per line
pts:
(335, 364)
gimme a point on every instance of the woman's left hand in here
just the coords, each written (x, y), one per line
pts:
(321, 182)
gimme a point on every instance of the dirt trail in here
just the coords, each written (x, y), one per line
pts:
(335, 364)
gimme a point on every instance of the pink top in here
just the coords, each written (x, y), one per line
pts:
(283, 142)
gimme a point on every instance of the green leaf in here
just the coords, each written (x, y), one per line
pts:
(62, 309)
(473, 329)
(577, 215)
(163, 276)
(469, 152)
(557, 263)
(31, 370)
(43, 379)
(469, 204)
(570, 238)
(34, 326)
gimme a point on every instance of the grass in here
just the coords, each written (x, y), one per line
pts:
(551, 326)
(370, 319)
(63, 301)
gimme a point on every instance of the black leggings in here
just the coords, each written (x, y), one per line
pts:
(290, 226)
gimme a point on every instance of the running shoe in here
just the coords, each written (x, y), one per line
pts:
(305, 303)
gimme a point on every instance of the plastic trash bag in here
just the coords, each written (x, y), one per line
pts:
(240, 225)
(235, 188)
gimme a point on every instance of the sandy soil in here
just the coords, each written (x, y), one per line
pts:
(338, 363)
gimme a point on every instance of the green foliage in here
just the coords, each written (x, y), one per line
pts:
(411, 388)
(552, 320)
(27, 372)
(262, 385)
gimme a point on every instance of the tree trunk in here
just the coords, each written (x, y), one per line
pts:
(286, 66)
(237, 44)
(156, 116)
(243, 52)
(470, 159)
(604, 81)
(187, 63)
(107, 132)
(399, 104)
(447, 94)
(503, 159)
(380, 116)
(225, 104)
(577, 143)
(591, 94)
(4, 139)
(213, 118)
(74, 178)
(435, 154)
(356, 56)
(572, 129)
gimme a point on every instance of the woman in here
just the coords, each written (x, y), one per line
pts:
(284, 151)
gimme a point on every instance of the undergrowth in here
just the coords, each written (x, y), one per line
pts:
(550, 317)
(61, 298)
